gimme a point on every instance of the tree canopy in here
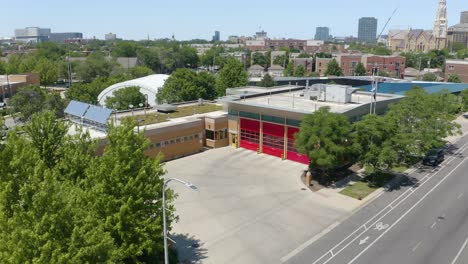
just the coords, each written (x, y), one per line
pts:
(62, 203)
(187, 85)
(333, 69)
(125, 97)
(325, 138)
(32, 99)
(429, 77)
(454, 78)
(267, 81)
(360, 69)
(232, 75)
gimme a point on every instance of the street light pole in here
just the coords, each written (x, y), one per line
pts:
(131, 107)
(187, 184)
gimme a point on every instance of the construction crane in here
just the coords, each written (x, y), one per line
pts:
(385, 26)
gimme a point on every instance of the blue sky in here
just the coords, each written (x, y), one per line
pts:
(188, 19)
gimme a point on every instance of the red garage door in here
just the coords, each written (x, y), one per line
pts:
(292, 151)
(273, 139)
(250, 133)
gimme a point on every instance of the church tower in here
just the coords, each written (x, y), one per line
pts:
(440, 26)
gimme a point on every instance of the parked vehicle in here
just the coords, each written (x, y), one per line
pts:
(434, 157)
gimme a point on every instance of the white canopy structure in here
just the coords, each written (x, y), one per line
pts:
(149, 86)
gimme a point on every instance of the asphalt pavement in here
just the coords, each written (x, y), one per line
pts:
(423, 219)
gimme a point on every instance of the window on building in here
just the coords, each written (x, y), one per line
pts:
(451, 68)
(210, 134)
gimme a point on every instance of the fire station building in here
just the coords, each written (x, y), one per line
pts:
(265, 120)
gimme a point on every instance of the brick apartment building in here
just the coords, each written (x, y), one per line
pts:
(393, 65)
(457, 67)
(348, 63)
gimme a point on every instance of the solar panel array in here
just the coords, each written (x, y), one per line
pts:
(98, 114)
(76, 108)
(88, 114)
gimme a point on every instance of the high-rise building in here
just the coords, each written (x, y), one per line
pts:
(367, 31)
(217, 36)
(322, 33)
(440, 25)
(62, 37)
(32, 34)
(459, 32)
(110, 36)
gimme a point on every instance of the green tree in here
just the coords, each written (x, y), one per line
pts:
(267, 81)
(258, 59)
(32, 99)
(3, 67)
(454, 78)
(300, 71)
(429, 77)
(103, 211)
(186, 85)
(325, 138)
(281, 60)
(207, 85)
(464, 96)
(88, 92)
(140, 71)
(122, 98)
(289, 70)
(232, 75)
(96, 65)
(48, 71)
(27, 101)
(423, 121)
(372, 136)
(333, 69)
(360, 70)
(47, 135)
(123, 184)
(126, 49)
(149, 57)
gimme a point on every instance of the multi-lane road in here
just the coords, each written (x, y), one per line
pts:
(423, 221)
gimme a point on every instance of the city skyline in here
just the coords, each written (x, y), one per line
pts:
(139, 20)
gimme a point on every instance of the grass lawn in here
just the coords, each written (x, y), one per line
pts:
(400, 168)
(181, 112)
(367, 185)
(358, 190)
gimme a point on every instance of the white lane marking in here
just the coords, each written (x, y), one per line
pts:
(462, 149)
(309, 242)
(408, 211)
(363, 241)
(416, 247)
(460, 251)
(460, 196)
(433, 224)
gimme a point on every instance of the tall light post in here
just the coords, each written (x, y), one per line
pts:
(146, 102)
(141, 106)
(131, 107)
(188, 185)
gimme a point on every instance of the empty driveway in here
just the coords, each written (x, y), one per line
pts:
(250, 207)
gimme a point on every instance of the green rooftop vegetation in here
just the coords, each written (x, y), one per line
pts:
(154, 118)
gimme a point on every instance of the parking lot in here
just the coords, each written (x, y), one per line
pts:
(250, 208)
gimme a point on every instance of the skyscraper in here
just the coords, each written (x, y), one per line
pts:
(322, 33)
(217, 36)
(367, 31)
(440, 25)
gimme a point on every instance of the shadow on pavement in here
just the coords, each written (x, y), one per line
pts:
(400, 181)
(189, 248)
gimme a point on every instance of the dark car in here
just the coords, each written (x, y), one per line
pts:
(434, 157)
